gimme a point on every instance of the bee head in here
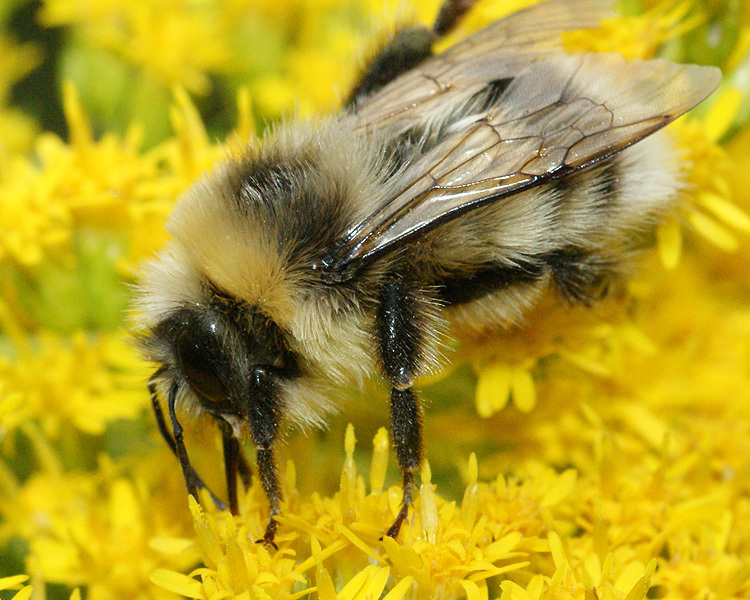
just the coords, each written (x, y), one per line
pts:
(232, 359)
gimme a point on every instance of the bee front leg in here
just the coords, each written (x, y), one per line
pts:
(401, 341)
(179, 445)
(163, 429)
(234, 464)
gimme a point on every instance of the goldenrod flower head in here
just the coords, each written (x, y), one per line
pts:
(79, 382)
(609, 457)
(637, 36)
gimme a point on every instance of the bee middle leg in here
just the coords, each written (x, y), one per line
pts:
(232, 454)
(234, 464)
(401, 339)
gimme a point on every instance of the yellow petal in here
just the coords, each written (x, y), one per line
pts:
(323, 581)
(640, 588)
(561, 488)
(428, 504)
(725, 210)
(399, 590)
(472, 590)
(713, 232)
(669, 243)
(355, 587)
(14, 581)
(24, 593)
(493, 389)
(379, 464)
(177, 583)
(170, 545)
(523, 389)
(558, 552)
(720, 116)
(629, 576)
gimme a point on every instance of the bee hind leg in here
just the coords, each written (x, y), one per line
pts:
(450, 15)
(401, 339)
(407, 49)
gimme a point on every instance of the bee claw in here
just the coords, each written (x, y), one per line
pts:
(395, 528)
(269, 535)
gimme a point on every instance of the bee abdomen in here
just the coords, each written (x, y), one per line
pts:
(579, 277)
(489, 96)
(462, 288)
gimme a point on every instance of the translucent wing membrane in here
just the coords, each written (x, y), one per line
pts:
(500, 50)
(556, 116)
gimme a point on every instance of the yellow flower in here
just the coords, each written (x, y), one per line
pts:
(443, 549)
(637, 36)
(179, 42)
(98, 530)
(612, 458)
(15, 583)
(85, 383)
(708, 207)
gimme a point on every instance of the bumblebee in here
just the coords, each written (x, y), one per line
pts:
(450, 190)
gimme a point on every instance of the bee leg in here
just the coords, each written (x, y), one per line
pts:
(264, 418)
(400, 346)
(409, 47)
(270, 482)
(406, 429)
(179, 444)
(451, 13)
(231, 464)
(244, 470)
(162, 425)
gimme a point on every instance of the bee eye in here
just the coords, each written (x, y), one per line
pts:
(199, 354)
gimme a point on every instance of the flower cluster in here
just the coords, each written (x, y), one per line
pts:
(586, 453)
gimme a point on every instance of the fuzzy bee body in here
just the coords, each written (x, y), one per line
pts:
(452, 190)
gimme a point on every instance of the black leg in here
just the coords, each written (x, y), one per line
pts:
(408, 486)
(401, 347)
(270, 482)
(160, 422)
(406, 50)
(244, 470)
(187, 469)
(263, 417)
(231, 464)
(163, 429)
(450, 15)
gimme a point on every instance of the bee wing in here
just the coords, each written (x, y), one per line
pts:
(555, 117)
(500, 50)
